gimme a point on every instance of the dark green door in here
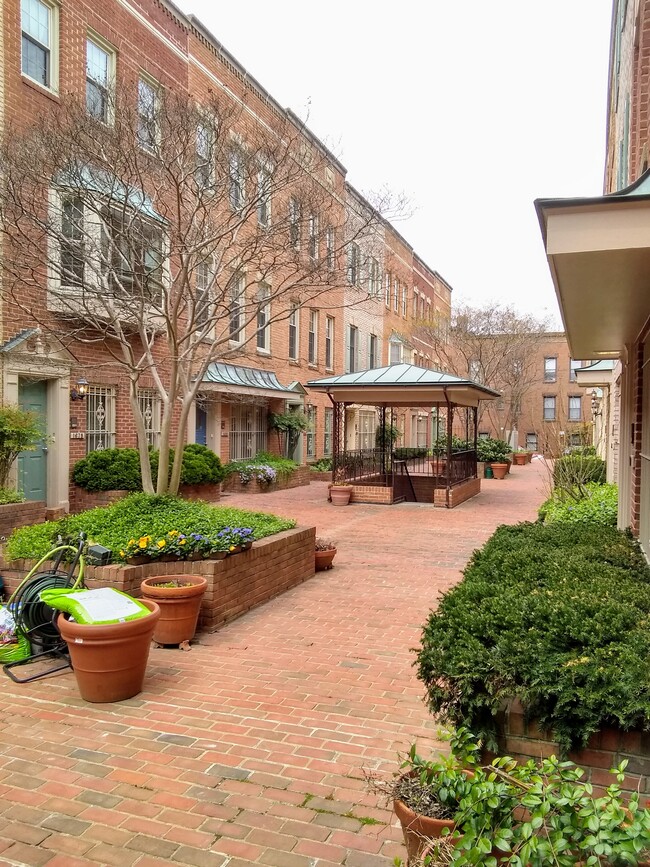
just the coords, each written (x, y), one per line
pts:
(32, 466)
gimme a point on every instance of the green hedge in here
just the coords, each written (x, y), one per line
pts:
(579, 469)
(282, 466)
(403, 454)
(493, 450)
(9, 496)
(558, 616)
(139, 515)
(598, 505)
(119, 469)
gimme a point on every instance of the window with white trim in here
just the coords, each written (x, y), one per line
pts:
(236, 179)
(415, 303)
(328, 426)
(373, 351)
(235, 309)
(550, 369)
(151, 408)
(294, 323)
(264, 197)
(352, 354)
(387, 281)
(404, 300)
(100, 418)
(39, 47)
(72, 256)
(374, 279)
(312, 356)
(573, 366)
(100, 78)
(202, 311)
(549, 407)
(354, 264)
(329, 343)
(575, 408)
(396, 295)
(312, 225)
(294, 222)
(263, 318)
(132, 253)
(148, 131)
(310, 445)
(330, 241)
(204, 156)
(395, 352)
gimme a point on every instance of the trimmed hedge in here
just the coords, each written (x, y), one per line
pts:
(557, 616)
(140, 515)
(119, 469)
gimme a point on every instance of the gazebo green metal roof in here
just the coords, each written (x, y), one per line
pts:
(402, 385)
(233, 378)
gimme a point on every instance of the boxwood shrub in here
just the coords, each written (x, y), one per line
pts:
(577, 469)
(556, 615)
(138, 515)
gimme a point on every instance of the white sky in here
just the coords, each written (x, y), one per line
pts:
(471, 108)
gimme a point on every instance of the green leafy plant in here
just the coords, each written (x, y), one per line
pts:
(323, 465)
(264, 467)
(556, 615)
(20, 431)
(139, 515)
(8, 495)
(386, 435)
(492, 450)
(598, 505)
(289, 426)
(403, 454)
(572, 472)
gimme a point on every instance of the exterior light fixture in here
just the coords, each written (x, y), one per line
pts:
(80, 390)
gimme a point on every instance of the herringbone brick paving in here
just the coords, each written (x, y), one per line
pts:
(251, 749)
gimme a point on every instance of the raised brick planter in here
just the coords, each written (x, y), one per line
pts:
(299, 477)
(235, 585)
(15, 515)
(80, 500)
(524, 740)
(315, 476)
(458, 494)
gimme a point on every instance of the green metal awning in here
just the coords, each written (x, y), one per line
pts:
(235, 379)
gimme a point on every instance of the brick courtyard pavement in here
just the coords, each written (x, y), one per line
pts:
(251, 748)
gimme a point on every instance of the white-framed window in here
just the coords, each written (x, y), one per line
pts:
(575, 407)
(352, 354)
(387, 283)
(40, 42)
(264, 197)
(373, 351)
(202, 310)
(295, 211)
(205, 156)
(263, 318)
(429, 310)
(531, 442)
(328, 425)
(549, 407)
(374, 279)
(474, 372)
(132, 253)
(294, 331)
(100, 78)
(312, 226)
(151, 408)
(312, 356)
(72, 253)
(148, 131)
(415, 303)
(550, 369)
(310, 438)
(354, 263)
(330, 241)
(236, 308)
(236, 179)
(329, 343)
(100, 418)
(573, 366)
(396, 295)
(404, 300)
(395, 352)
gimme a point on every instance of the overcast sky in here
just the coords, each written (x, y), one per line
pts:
(473, 109)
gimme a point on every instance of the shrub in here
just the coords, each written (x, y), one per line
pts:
(109, 470)
(264, 467)
(492, 450)
(20, 430)
(598, 505)
(574, 470)
(7, 495)
(555, 615)
(403, 454)
(457, 445)
(324, 465)
(140, 515)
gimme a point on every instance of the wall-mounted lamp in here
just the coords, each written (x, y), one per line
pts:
(80, 390)
(596, 408)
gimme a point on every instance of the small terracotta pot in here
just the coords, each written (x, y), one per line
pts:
(519, 459)
(418, 829)
(179, 606)
(109, 660)
(340, 494)
(324, 559)
(499, 470)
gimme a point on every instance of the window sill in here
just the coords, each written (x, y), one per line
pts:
(312, 366)
(49, 92)
(294, 362)
(260, 351)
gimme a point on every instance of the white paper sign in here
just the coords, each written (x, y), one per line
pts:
(106, 604)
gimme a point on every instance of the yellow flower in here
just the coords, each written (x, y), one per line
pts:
(173, 533)
(131, 541)
(142, 543)
(233, 547)
(181, 541)
(121, 553)
(161, 543)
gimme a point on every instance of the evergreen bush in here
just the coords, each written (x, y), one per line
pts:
(575, 470)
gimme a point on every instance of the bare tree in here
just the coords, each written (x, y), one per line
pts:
(496, 346)
(170, 238)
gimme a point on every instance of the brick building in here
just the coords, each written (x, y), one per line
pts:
(599, 256)
(140, 51)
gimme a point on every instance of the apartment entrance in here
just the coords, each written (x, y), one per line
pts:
(32, 465)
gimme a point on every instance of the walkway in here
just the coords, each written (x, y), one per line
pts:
(252, 748)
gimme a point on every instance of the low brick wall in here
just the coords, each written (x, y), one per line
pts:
(458, 494)
(367, 494)
(15, 515)
(299, 477)
(320, 476)
(524, 740)
(235, 585)
(80, 500)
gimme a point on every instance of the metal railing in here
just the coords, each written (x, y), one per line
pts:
(375, 467)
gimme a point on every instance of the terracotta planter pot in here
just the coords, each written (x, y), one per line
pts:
(324, 559)
(519, 459)
(499, 470)
(418, 829)
(179, 606)
(109, 661)
(340, 494)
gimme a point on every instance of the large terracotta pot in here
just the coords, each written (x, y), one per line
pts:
(499, 470)
(340, 494)
(519, 459)
(418, 829)
(179, 606)
(324, 559)
(109, 660)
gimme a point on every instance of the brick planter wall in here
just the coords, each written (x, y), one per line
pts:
(80, 500)
(366, 494)
(320, 476)
(15, 515)
(299, 477)
(458, 494)
(524, 740)
(235, 585)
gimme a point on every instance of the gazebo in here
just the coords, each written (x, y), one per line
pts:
(441, 471)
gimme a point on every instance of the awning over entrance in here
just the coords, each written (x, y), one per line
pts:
(234, 379)
(402, 385)
(598, 375)
(598, 251)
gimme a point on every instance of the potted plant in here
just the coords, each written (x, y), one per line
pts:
(519, 457)
(324, 551)
(179, 598)
(535, 814)
(340, 493)
(495, 453)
